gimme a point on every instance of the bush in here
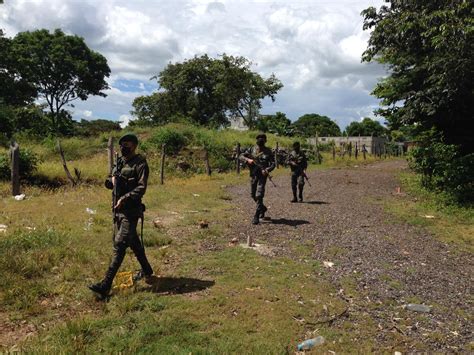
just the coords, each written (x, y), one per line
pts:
(28, 164)
(174, 140)
(443, 168)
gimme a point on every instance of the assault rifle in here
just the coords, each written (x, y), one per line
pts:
(262, 169)
(306, 177)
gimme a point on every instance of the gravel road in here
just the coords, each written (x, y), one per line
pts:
(391, 262)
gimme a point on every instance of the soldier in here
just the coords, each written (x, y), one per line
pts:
(129, 182)
(261, 162)
(298, 164)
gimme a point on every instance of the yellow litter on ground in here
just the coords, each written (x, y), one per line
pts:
(123, 280)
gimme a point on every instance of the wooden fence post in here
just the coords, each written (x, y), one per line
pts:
(349, 148)
(356, 153)
(317, 149)
(364, 150)
(162, 166)
(237, 160)
(66, 170)
(15, 167)
(334, 151)
(110, 154)
(276, 157)
(206, 159)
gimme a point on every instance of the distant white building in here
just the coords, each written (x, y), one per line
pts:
(237, 123)
(372, 144)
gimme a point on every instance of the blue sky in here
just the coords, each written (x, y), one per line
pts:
(313, 47)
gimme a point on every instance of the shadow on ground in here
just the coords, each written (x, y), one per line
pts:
(289, 222)
(178, 285)
(316, 202)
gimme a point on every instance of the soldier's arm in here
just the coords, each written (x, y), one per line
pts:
(108, 182)
(142, 181)
(272, 162)
(245, 155)
(304, 162)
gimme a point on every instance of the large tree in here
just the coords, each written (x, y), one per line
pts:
(427, 47)
(14, 90)
(277, 123)
(207, 90)
(310, 124)
(367, 127)
(61, 68)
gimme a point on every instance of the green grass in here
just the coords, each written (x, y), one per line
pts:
(453, 224)
(251, 303)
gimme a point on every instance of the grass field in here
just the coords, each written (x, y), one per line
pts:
(213, 297)
(449, 222)
(247, 303)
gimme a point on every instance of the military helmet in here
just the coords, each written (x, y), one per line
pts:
(262, 135)
(129, 137)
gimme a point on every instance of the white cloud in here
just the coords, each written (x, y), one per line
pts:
(314, 47)
(124, 120)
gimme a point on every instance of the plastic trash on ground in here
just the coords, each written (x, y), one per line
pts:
(418, 308)
(310, 343)
(123, 280)
(20, 197)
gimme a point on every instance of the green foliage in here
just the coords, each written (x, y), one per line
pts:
(205, 90)
(428, 47)
(7, 117)
(443, 167)
(61, 69)
(307, 126)
(28, 164)
(277, 123)
(14, 90)
(367, 127)
(172, 138)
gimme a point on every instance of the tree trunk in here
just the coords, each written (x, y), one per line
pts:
(66, 170)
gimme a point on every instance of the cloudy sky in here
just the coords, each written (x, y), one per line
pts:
(313, 47)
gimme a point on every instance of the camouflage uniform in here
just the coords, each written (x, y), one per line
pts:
(264, 160)
(131, 178)
(297, 172)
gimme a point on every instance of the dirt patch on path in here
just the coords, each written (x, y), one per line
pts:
(380, 264)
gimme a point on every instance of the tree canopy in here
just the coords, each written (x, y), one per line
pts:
(60, 68)
(428, 48)
(367, 127)
(310, 124)
(14, 89)
(206, 90)
(277, 123)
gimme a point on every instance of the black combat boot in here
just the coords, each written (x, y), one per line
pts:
(255, 219)
(263, 211)
(101, 289)
(294, 195)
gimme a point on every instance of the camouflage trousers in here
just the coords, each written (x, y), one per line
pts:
(297, 183)
(126, 236)
(257, 190)
(297, 179)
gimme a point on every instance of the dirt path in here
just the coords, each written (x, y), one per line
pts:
(389, 262)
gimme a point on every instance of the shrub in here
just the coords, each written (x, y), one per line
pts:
(444, 168)
(28, 164)
(174, 140)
